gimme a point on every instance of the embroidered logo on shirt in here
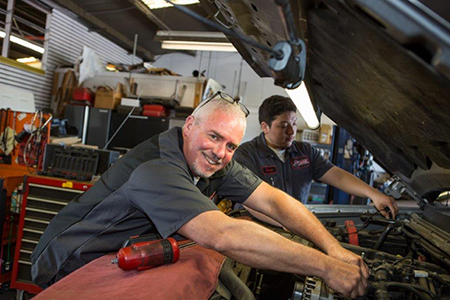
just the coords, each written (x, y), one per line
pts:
(300, 162)
(269, 170)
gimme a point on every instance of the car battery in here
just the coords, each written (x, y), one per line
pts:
(155, 110)
(83, 95)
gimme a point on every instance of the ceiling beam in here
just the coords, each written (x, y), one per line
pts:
(149, 14)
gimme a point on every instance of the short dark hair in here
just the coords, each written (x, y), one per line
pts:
(274, 106)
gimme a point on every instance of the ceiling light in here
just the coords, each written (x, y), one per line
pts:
(194, 40)
(204, 36)
(25, 60)
(301, 99)
(201, 46)
(23, 43)
(154, 4)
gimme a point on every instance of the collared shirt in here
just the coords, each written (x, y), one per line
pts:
(150, 188)
(303, 164)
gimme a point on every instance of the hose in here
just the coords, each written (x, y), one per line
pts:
(415, 289)
(233, 283)
(383, 237)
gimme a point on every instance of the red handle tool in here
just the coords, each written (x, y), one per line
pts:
(146, 255)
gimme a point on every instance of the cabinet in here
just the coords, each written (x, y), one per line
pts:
(8, 223)
(135, 130)
(43, 198)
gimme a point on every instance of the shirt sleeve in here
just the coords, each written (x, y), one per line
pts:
(247, 158)
(167, 195)
(239, 183)
(320, 164)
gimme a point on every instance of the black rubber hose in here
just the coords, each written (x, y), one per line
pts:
(410, 235)
(233, 283)
(383, 237)
(415, 289)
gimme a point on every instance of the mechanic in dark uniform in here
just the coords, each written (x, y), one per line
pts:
(165, 185)
(291, 166)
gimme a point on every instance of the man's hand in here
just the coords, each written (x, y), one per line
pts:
(351, 272)
(345, 181)
(348, 257)
(345, 279)
(382, 201)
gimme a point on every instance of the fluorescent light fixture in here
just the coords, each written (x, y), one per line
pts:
(194, 40)
(202, 46)
(206, 36)
(301, 99)
(25, 60)
(23, 43)
(154, 4)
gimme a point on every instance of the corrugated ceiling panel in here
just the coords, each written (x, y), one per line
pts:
(67, 38)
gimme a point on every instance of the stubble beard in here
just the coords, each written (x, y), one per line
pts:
(199, 172)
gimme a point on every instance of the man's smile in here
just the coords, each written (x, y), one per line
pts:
(211, 161)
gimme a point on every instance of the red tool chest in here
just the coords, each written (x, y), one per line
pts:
(43, 198)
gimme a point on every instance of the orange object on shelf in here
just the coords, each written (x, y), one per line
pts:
(28, 148)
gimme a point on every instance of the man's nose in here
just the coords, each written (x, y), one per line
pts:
(220, 151)
(290, 129)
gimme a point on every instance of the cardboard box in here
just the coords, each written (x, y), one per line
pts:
(108, 98)
(326, 134)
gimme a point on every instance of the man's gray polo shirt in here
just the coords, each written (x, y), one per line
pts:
(150, 188)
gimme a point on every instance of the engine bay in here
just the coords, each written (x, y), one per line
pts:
(408, 258)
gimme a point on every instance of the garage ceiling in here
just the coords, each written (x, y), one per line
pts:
(120, 20)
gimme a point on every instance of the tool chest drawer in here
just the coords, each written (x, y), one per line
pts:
(43, 198)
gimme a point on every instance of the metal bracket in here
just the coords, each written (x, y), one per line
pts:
(216, 17)
(397, 188)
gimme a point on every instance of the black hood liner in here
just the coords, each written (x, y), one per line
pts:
(379, 69)
(389, 99)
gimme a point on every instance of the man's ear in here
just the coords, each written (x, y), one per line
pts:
(188, 124)
(264, 127)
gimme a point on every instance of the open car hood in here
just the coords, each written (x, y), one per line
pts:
(379, 69)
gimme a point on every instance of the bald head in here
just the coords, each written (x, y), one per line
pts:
(203, 112)
(216, 104)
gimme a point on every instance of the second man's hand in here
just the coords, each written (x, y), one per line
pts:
(382, 202)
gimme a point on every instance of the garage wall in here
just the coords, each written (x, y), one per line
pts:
(67, 38)
(225, 67)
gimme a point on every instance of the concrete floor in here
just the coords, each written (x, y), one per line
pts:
(11, 295)
(8, 295)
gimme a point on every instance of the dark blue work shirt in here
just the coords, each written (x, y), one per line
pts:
(302, 165)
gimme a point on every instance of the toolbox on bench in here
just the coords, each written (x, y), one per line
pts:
(155, 110)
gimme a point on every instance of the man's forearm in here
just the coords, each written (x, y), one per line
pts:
(303, 223)
(292, 214)
(261, 248)
(348, 183)
(262, 217)
(255, 245)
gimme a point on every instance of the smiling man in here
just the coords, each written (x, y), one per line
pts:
(164, 185)
(291, 166)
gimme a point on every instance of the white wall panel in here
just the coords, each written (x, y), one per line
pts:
(225, 67)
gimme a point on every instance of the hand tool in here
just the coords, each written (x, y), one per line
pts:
(146, 255)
